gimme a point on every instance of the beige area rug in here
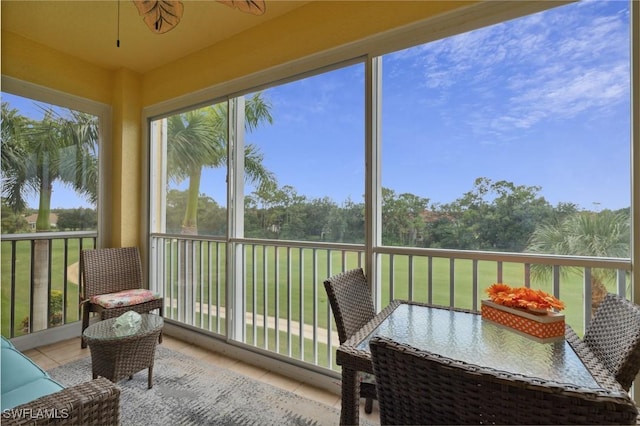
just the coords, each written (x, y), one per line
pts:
(187, 392)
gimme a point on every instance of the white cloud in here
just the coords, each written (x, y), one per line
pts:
(554, 65)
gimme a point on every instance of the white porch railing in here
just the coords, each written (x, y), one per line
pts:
(278, 302)
(283, 305)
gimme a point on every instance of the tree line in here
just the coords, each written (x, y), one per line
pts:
(493, 215)
(74, 219)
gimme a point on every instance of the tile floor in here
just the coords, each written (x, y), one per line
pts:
(51, 356)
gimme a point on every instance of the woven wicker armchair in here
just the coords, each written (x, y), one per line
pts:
(419, 387)
(614, 337)
(352, 306)
(109, 271)
(96, 402)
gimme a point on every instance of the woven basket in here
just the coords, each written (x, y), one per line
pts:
(544, 328)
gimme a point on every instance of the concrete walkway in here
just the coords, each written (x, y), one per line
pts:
(271, 323)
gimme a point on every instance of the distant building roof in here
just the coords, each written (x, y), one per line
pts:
(31, 220)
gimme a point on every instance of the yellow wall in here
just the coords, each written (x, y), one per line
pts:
(310, 29)
(313, 28)
(29, 61)
(125, 211)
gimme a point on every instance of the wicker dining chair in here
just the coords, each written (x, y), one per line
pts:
(614, 337)
(417, 387)
(404, 378)
(112, 284)
(352, 306)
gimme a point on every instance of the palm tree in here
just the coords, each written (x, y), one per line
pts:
(604, 234)
(13, 151)
(36, 154)
(198, 139)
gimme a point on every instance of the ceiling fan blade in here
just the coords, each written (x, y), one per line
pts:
(255, 7)
(160, 15)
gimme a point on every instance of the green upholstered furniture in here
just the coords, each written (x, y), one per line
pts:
(30, 396)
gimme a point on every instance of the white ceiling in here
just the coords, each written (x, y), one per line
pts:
(89, 29)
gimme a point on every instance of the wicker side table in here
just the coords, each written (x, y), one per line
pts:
(115, 356)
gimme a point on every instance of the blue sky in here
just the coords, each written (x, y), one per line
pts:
(542, 100)
(539, 101)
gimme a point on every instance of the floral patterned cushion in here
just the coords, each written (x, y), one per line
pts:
(124, 298)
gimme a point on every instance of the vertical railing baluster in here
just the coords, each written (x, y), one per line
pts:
(474, 284)
(173, 248)
(343, 259)
(65, 265)
(314, 295)
(289, 303)
(527, 275)
(13, 288)
(556, 281)
(167, 283)
(276, 296)
(156, 274)
(210, 270)
(301, 304)
(49, 276)
(588, 297)
(392, 266)
(410, 283)
(205, 297)
(218, 286)
(245, 294)
(179, 282)
(452, 281)
(165, 279)
(265, 291)
(254, 292)
(192, 284)
(201, 281)
(32, 284)
(430, 279)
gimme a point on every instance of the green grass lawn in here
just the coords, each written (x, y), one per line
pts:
(286, 276)
(296, 278)
(22, 275)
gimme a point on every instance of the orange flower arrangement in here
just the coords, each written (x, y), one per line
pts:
(523, 297)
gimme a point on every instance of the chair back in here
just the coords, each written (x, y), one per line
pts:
(614, 337)
(403, 378)
(351, 302)
(110, 270)
(416, 386)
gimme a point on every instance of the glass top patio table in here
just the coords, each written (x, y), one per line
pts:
(566, 367)
(466, 337)
(105, 331)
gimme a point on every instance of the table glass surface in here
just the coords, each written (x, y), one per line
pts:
(467, 337)
(104, 330)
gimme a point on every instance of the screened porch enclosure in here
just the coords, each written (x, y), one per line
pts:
(439, 168)
(437, 158)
